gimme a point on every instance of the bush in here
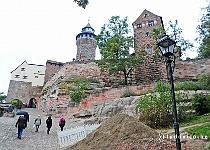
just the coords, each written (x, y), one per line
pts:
(17, 103)
(155, 108)
(204, 80)
(201, 104)
(187, 85)
(77, 89)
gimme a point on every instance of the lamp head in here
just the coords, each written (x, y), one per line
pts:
(166, 45)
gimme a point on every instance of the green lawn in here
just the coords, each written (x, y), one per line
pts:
(195, 120)
(203, 130)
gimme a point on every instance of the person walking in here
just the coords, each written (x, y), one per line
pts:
(49, 124)
(21, 125)
(37, 123)
(62, 122)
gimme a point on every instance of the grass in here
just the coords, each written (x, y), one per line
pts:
(195, 120)
(203, 130)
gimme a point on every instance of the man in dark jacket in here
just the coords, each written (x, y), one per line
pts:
(49, 124)
(21, 124)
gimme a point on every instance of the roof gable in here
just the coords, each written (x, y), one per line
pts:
(19, 66)
(141, 17)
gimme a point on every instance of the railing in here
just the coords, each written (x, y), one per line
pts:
(71, 136)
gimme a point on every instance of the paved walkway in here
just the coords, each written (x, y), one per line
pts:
(31, 140)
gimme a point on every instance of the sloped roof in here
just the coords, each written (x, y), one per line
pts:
(142, 14)
(23, 63)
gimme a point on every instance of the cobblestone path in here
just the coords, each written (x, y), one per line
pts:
(31, 140)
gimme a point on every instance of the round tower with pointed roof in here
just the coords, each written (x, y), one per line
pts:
(86, 44)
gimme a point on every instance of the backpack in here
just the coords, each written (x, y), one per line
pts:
(62, 121)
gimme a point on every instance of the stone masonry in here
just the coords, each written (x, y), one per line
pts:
(143, 26)
(52, 67)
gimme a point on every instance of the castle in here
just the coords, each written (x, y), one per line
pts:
(51, 94)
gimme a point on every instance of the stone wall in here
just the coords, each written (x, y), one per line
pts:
(52, 67)
(143, 27)
(23, 91)
(20, 90)
(191, 69)
(73, 69)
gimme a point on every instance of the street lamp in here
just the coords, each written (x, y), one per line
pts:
(166, 46)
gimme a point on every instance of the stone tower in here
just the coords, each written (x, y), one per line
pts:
(143, 26)
(86, 44)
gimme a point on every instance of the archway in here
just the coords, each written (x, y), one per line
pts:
(32, 103)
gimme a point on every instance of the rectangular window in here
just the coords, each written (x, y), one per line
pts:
(17, 76)
(149, 50)
(36, 77)
(25, 77)
(147, 33)
(151, 23)
(139, 25)
(23, 69)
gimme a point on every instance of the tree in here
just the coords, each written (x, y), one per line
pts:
(204, 34)
(174, 31)
(82, 3)
(115, 43)
(2, 97)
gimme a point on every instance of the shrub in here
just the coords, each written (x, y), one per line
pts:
(77, 89)
(204, 80)
(156, 108)
(187, 85)
(17, 103)
(201, 104)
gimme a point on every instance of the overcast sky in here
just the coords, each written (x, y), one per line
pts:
(41, 30)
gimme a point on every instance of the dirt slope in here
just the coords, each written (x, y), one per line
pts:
(123, 132)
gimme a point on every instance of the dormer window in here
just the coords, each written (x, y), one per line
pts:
(139, 25)
(25, 77)
(151, 23)
(145, 15)
(17, 76)
(23, 69)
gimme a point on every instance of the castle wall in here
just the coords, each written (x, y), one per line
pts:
(52, 67)
(73, 69)
(20, 90)
(143, 26)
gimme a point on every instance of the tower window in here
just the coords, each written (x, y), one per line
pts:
(139, 25)
(151, 23)
(147, 33)
(145, 15)
(149, 50)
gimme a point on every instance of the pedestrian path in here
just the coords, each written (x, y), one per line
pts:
(31, 140)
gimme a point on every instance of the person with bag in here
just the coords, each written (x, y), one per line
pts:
(49, 124)
(21, 125)
(37, 123)
(62, 122)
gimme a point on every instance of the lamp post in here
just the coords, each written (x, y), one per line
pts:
(166, 46)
